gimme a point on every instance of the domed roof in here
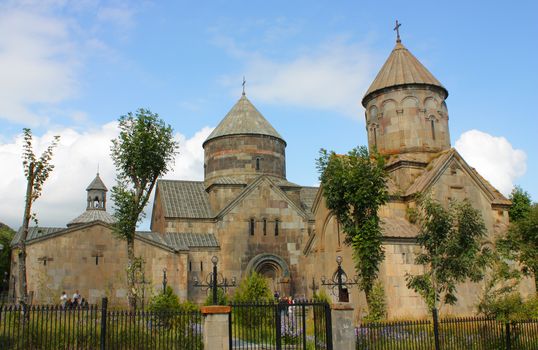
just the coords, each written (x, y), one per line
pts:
(243, 119)
(402, 68)
(92, 215)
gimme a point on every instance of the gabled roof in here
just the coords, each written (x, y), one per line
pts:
(91, 215)
(184, 199)
(402, 68)
(172, 241)
(97, 184)
(35, 233)
(436, 168)
(247, 190)
(243, 119)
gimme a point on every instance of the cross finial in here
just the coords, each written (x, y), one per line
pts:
(244, 83)
(397, 29)
(97, 168)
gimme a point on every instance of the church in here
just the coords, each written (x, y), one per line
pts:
(247, 214)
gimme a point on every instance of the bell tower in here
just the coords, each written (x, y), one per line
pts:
(96, 194)
(406, 113)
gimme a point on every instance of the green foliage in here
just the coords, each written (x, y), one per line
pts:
(253, 288)
(222, 298)
(452, 250)
(141, 153)
(521, 204)
(36, 171)
(322, 296)
(500, 287)
(521, 242)
(354, 187)
(377, 304)
(6, 235)
(167, 301)
(510, 307)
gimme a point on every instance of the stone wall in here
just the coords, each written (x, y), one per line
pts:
(404, 120)
(241, 154)
(74, 266)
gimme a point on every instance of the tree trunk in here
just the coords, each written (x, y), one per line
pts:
(131, 274)
(23, 288)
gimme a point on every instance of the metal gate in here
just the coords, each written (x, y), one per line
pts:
(301, 325)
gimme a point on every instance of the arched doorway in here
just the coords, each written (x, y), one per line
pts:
(274, 269)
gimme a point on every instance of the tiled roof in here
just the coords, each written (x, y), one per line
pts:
(184, 199)
(242, 119)
(91, 215)
(192, 240)
(180, 241)
(398, 227)
(36, 233)
(228, 180)
(308, 194)
(402, 68)
(97, 184)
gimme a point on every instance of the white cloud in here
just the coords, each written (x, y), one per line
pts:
(76, 160)
(37, 64)
(493, 157)
(331, 77)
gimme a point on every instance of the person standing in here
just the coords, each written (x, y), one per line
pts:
(76, 298)
(63, 299)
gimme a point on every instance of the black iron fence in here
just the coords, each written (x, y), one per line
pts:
(303, 325)
(453, 334)
(94, 327)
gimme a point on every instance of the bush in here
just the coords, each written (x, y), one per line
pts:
(322, 297)
(254, 288)
(377, 304)
(166, 301)
(222, 297)
(510, 307)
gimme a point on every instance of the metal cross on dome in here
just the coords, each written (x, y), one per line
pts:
(244, 83)
(397, 29)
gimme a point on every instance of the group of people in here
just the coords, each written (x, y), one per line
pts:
(74, 302)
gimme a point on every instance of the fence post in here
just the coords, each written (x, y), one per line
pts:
(328, 327)
(216, 326)
(342, 330)
(436, 328)
(104, 304)
(508, 340)
(278, 325)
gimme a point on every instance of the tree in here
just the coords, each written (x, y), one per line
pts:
(354, 186)
(36, 171)
(141, 153)
(6, 235)
(521, 242)
(452, 250)
(521, 204)
(253, 288)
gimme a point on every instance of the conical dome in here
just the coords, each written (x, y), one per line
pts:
(243, 146)
(402, 68)
(97, 184)
(243, 119)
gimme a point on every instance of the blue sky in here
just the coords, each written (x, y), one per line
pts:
(72, 68)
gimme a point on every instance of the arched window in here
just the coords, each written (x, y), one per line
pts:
(432, 125)
(264, 226)
(257, 163)
(251, 226)
(276, 227)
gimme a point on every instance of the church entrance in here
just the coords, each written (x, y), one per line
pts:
(275, 271)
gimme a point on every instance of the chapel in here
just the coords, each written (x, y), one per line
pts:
(247, 213)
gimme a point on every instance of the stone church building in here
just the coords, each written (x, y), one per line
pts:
(252, 218)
